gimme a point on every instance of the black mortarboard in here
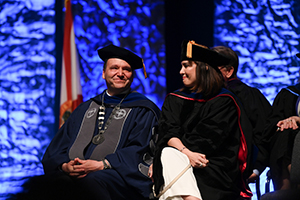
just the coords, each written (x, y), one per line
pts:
(196, 52)
(298, 55)
(112, 51)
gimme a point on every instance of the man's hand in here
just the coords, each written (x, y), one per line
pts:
(252, 178)
(291, 122)
(69, 169)
(150, 172)
(80, 168)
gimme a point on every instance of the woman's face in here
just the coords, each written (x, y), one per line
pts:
(188, 73)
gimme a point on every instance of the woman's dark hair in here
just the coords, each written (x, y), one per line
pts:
(209, 81)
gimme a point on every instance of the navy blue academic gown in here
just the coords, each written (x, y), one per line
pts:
(125, 176)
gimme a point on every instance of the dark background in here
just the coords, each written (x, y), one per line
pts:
(185, 19)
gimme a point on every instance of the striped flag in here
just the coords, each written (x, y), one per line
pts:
(70, 89)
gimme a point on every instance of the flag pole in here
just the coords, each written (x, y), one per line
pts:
(70, 90)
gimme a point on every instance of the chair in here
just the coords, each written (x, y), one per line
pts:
(257, 188)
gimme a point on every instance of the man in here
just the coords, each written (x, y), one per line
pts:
(103, 149)
(283, 129)
(256, 107)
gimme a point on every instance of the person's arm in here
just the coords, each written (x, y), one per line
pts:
(80, 168)
(197, 160)
(57, 151)
(69, 168)
(291, 122)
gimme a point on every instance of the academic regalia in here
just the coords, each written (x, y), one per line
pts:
(258, 109)
(213, 127)
(127, 161)
(281, 142)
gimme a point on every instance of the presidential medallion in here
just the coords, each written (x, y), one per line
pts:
(98, 139)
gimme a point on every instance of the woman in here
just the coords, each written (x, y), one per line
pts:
(200, 125)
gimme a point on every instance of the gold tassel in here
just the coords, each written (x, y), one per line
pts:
(144, 68)
(189, 48)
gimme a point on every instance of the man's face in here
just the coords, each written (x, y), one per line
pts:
(118, 76)
(227, 72)
(223, 70)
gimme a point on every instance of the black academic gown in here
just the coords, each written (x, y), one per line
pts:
(281, 142)
(125, 179)
(258, 109)
(212, 127)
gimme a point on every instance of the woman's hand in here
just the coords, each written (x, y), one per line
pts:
(291, 122)
(197, 160)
